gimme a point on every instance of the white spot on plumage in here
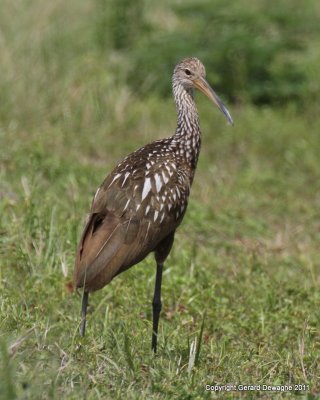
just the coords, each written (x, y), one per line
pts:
(125, 178)
(114, 179)
(174, 196)
(162, 216)
(156, 213)
(147, 230)
(169, 206)
(138, 206)
(165, 178)
(147, 210)
(95, 196)
(127, 203)
(146, 188)
(161, 206)
(158, 182)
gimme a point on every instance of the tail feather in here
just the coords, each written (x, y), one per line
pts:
(101, 239)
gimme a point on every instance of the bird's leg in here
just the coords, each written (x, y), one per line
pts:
(161, 253)
(156, 305)
(84, 313)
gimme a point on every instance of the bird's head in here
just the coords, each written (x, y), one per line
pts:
(191, 73)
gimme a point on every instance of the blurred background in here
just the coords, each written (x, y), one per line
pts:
(56, 54)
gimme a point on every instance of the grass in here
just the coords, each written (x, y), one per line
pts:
(241, 286)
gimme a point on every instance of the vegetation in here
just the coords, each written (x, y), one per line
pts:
(84, 83)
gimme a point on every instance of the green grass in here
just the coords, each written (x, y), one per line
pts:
(241, 286)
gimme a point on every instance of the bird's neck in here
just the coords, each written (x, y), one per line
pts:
(187, 137)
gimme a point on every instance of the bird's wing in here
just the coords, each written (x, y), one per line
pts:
(137, 205)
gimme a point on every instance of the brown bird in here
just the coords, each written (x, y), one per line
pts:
(139, 206)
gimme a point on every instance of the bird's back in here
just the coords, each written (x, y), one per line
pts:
(139, 204)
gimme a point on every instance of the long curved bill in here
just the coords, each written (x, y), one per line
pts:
(201, 84)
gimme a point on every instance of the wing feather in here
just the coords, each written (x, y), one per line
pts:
(137, 206)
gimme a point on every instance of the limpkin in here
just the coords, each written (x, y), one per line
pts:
(139, 206)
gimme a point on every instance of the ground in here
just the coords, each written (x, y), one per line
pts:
(240, 288)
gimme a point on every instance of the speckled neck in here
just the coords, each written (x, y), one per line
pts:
(187, 136)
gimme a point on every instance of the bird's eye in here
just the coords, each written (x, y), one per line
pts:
(187, 71)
